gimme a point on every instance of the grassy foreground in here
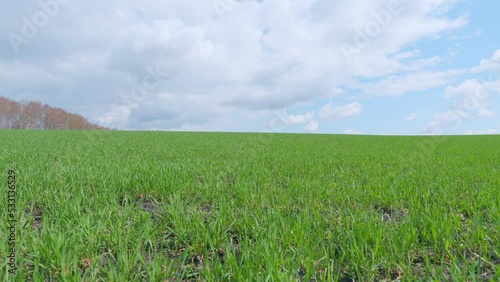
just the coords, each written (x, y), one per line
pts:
(151, 206)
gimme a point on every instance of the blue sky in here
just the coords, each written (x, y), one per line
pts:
(394, 67)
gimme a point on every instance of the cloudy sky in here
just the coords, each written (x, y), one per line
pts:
(325, 66)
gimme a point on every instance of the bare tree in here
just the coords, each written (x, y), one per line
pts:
(35, 115)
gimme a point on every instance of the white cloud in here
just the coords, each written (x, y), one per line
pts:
(259, 56)
(483, 132)
(311, 127)
(472, 94)
(396, 85)
(453, 119)
(407, 55)
(329, 111)
(290, 119)
(412, 116)
(492, 64)
(471, 101)
(467, 87)
(352, 131)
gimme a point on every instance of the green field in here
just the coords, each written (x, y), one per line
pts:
(156, 206)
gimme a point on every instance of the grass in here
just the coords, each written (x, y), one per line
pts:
(151, 206)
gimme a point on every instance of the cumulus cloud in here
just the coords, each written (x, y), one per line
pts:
(483, 132)
(471, 100)
(492, 64)
(396, 85)
(330, 111)
(412, 116)
(407, 54)
(311, 127)
(290, 119)
(473, 94)
(453, 119)
(216, 66)
(351, 131)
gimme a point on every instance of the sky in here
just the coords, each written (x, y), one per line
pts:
(387, 67)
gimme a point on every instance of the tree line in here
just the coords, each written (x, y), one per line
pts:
(35, 115)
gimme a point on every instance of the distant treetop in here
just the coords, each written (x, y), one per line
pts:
(35, 115)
